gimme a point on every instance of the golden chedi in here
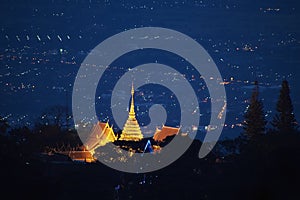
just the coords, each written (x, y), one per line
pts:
(131, 130)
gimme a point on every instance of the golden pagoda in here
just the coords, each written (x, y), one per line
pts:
(131, 130)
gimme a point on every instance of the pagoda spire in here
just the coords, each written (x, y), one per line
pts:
(131, 111)
(131, 130)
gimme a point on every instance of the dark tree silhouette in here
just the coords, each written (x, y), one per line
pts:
(3, 125)
(254, 123)
(56, 116)
(284, 120)
(52, 130)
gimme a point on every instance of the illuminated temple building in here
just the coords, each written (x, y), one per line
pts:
(101, 134)
(131, 130)
(166, 131)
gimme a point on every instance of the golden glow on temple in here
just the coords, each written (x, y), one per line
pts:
(100, 135)
(131, 130)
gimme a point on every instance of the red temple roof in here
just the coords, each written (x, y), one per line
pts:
(166, 131)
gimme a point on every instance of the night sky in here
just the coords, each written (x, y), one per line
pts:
(43, 43)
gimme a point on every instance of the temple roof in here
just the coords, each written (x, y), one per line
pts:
(101, 134)
(166, 131)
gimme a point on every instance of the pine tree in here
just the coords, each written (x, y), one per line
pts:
(284, 121)
(254, 123)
